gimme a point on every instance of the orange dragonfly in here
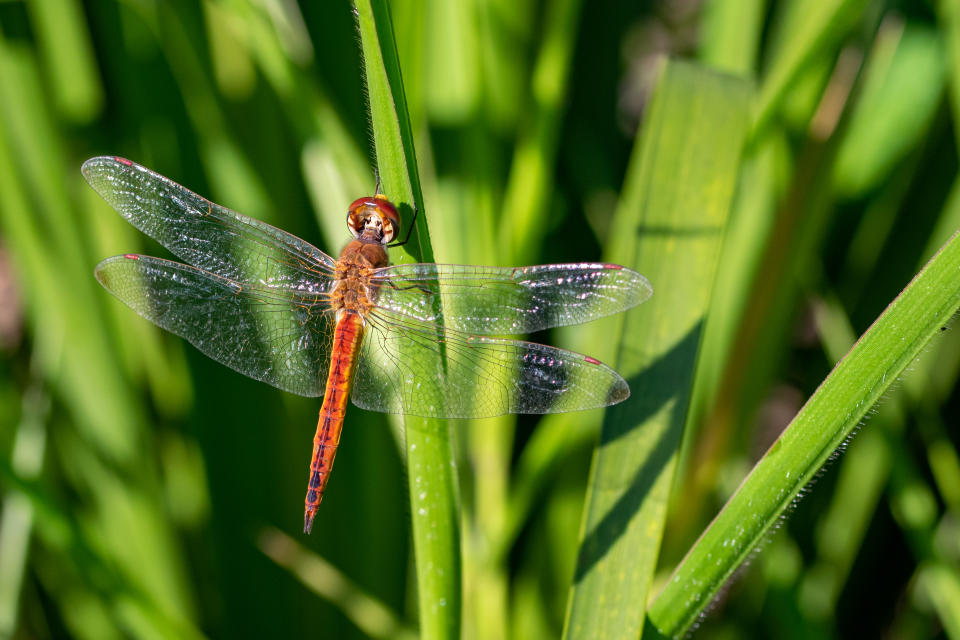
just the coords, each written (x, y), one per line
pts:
(419, 339)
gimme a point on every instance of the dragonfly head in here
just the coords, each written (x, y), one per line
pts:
(373, 219)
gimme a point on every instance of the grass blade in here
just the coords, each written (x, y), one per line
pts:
(827, 420)
(390, 121)
(430, 466)
(529, 187)
(16, 528)
(369, 615)
(68, 56)
(803, 31)
(677, 198)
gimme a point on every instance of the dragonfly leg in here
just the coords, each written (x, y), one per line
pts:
(416, 211)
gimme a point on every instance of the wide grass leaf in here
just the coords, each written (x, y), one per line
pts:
(670, 225)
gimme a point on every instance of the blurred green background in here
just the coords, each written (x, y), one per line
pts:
(150, 492)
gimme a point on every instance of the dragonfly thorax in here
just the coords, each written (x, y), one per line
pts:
(373, 219)
(352, 279)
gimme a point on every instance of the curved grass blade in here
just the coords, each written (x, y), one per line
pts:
(825, 422)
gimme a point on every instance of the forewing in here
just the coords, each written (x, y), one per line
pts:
(279, 339)
(205, 234)
(508, 301)
(418, 368)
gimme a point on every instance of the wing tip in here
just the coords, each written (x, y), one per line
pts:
(89, 167)
(619, 392)
(102, 271)
(642, 286)
(642, 289)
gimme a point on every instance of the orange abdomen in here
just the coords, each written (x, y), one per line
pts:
(343, 360)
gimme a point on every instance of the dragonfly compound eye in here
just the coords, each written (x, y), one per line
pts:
(374, 218)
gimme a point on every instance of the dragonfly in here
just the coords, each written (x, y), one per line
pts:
(426, 339)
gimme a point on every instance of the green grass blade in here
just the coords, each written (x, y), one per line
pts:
(430, 466)
(825, 422)
(369, 615)
(803, 31)
(861, 478)
(677, 198)
(948, 17)
(38, 217)
(451, 87)
(392, 132)
(69, 62)
(903, 83)
(16, 528)
(942, 586)
(530, 184)
(731, 34)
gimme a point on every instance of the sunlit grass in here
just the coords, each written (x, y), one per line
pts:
(134, 503)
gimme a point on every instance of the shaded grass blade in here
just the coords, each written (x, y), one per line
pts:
(672, 219)
(827, 420)
(369, 615)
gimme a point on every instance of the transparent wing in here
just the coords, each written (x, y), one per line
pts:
(508, 301)
(205, 234)
(414, 367)
(280, 339)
